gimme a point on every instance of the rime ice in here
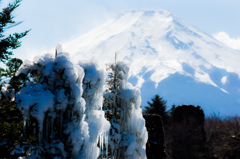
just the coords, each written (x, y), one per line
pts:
(128, 134)
(66, 99)
(93, 94)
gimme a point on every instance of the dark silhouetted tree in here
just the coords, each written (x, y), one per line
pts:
(172, 109)
(155, 147)
(188, 134)
(158, 106)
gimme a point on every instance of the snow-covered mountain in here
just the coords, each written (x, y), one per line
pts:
(169, 57)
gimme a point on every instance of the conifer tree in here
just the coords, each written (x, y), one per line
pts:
(52, 101)
(172, 109)
(128, 135)
(10, 116)
(12, 66)
(158, 106)
(10, 42)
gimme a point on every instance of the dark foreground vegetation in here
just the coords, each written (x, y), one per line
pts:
(187, 134)
(223, 136)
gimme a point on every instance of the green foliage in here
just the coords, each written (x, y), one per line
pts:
(10, 117)
(33, 139)
(158, 106)
(12, 40)
(11, 128)
(10, 125)
(13, 65)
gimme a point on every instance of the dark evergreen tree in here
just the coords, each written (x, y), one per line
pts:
(11, 120)
(158, 106)
(10, 42)
(172, 109)
(12, 67)
(10, 117)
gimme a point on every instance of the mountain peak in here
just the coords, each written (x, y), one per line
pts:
(160, 47)
(150, 13)
(146, 16)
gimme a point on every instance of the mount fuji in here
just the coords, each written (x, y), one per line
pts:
(168, 57)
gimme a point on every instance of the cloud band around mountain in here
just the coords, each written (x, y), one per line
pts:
(223, 37)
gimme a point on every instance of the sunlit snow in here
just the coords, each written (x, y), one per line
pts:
(159, 45)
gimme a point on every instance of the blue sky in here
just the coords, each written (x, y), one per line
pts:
(59, 21)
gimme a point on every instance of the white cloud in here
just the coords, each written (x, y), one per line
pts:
(140, 81)
(226, 39)
(224, 80)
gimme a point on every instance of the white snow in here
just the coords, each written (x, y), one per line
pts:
(93, 94)
(128, 132)
(157, 44)
(58, 84)
(36, 98)
(155, 40)
(9, 94)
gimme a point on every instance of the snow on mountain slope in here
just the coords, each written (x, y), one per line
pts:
(169, 57)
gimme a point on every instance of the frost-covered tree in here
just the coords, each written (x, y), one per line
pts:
(128, 135)
(93, 83)
(53, 100)
(64, 101)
